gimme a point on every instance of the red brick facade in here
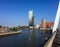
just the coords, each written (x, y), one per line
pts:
(50, 24)
(45, 24)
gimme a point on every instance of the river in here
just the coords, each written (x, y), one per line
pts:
(28, 38)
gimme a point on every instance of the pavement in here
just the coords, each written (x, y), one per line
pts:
(56, 42)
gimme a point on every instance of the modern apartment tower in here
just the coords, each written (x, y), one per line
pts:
(31, 19)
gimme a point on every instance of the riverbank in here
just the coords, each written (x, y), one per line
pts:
(9, 33)
(46, 28)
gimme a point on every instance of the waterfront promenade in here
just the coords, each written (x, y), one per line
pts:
(9, 33)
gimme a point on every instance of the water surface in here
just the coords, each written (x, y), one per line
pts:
(28, 38)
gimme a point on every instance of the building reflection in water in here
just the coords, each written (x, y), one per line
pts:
(32, 38)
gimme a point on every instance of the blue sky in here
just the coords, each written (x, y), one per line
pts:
(15, 12)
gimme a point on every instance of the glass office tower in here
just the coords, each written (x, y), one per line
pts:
(31, 19)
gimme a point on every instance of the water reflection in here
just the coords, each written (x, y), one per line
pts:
(29, 38)
(38, 38)
(32, 38)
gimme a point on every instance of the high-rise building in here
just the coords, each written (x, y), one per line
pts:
(31, 19)
(34, 21)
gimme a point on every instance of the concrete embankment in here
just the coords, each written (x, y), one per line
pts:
(9, 33)
(45, 28)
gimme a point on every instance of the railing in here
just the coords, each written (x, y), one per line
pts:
(50, 41)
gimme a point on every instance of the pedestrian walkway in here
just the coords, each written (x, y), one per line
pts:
(56, 42)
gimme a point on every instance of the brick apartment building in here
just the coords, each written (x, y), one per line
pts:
(45, 24)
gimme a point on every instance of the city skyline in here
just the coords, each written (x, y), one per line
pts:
(14, 13)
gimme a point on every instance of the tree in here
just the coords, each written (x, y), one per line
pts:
(0, 26)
